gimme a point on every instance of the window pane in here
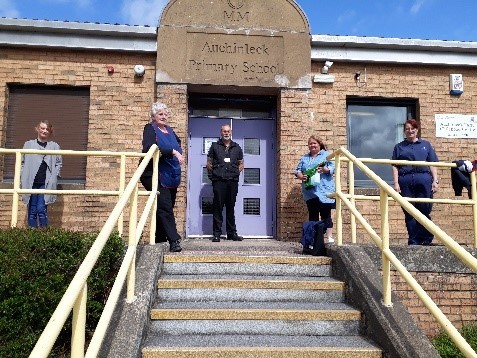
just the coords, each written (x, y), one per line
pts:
(206, 205)
(205, 176)
(67, 109)
(251, 176)
(251, 146)
(251, 206)
(373, 130)
(207, 143)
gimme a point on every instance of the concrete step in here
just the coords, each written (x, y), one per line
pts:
(258, 346)
(234, 265)
(247, 265)
(249, 288)
(225, 301)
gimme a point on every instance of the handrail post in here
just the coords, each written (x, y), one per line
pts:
(339, 216)
(122, 185)
(79, 324)
(131, 277)
(16, 186)
(155, 181)
(473, 192)
(386, 265)
(352, 199)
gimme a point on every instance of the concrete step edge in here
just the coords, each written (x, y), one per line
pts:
(250, 284)
(261, 352)
(305, 260)
(255, 314)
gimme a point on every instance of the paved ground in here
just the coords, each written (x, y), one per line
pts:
(246, 247)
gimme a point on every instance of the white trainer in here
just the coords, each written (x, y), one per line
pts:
(331, 240)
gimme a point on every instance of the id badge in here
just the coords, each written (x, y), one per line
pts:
(227, 160)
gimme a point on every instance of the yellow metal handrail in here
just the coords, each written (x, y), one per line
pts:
(16, 191)
(388, 258)
(75, 296)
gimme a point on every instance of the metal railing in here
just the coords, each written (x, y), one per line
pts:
(75, 298)
(387, 193)
(16, 191)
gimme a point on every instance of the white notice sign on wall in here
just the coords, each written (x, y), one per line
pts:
(456, 126)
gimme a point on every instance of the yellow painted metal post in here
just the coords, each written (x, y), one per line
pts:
(386, 266)
(473, 192)
(79, 324)
(155, 181)
(122, 185)
(352, 199)
(339, 217)
(16, 186)
(131, 277)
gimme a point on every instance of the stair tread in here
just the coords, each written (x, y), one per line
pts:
(221, 340)
(228, 277)
(246, 258)
(236, 305)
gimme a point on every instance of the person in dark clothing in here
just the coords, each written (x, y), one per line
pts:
(158, 132)
(415, 181)
(224, 164)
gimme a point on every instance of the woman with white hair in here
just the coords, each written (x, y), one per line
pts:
(158, 132)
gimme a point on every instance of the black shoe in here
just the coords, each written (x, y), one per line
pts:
(234, 237)
(175, 247)
(216, 239)
(428, 244)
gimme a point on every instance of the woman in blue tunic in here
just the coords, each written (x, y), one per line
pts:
(415, 181)
(318, 204)
(158, 132)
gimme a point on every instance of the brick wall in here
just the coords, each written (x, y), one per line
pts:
(120, 104)
(453, 293)
(322, 112)
(119, 108)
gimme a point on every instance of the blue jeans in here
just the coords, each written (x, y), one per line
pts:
(37, 210)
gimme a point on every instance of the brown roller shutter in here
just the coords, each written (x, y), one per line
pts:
(66, 108)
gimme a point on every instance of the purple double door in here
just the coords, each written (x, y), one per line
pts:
(255, 206)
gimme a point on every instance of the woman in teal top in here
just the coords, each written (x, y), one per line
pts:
(318, 204)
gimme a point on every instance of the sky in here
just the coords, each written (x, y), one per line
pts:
(416, 19)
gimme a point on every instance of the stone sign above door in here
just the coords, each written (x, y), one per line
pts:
(264, 43)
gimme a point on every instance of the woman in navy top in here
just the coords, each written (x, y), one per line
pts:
(415, 181)
(158, 132)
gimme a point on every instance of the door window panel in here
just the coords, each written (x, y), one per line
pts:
(205, 176)
(207, 143)
(251, 206)
(251, 176)
(251, 146)
(206, 206)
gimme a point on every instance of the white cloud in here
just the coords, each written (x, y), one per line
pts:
(7, 9)
(346, 16)
(142, 12)
(417, 6)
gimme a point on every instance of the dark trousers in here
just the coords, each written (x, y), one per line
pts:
(225, 194)
(417, 185)
(166, 229)
(317, 210)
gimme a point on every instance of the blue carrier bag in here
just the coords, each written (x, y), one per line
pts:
(312, 238)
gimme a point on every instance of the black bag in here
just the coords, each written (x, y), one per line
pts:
(313, 238)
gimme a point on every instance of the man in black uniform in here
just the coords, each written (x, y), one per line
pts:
(224, 164)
